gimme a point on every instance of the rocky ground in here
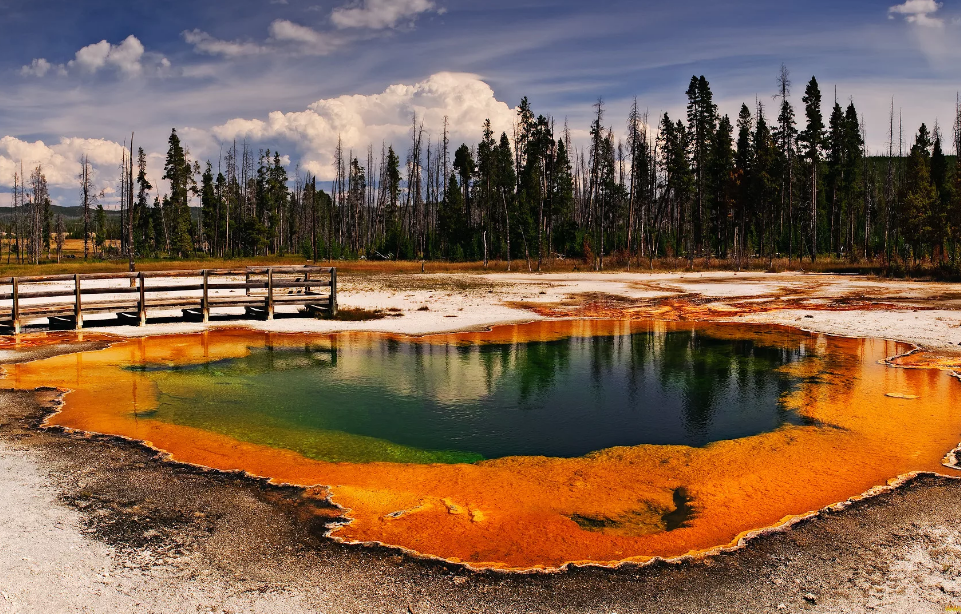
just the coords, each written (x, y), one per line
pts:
(101, 525)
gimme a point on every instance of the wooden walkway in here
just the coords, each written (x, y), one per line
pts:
(64, 299)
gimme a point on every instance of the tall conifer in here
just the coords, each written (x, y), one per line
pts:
(812, 143)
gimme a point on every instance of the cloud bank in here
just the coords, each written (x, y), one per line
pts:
(60, 161)
(360, 120)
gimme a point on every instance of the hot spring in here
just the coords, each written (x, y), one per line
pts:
(534, 445)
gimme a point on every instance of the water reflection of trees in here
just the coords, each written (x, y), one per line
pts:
(702, 370)
(536, 365)
(706, 371)
(674, 386)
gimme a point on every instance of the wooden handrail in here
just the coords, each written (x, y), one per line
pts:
(255, 278)
(254, 270)
(254, 285)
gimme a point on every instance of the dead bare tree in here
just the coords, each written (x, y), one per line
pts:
(86, 198)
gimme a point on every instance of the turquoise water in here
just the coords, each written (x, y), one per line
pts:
(417, 402)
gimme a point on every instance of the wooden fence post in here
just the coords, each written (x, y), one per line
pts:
(270, 293)
(15, 313)
(78, 304)
(205, 302)
(142, 306)
(333, 292)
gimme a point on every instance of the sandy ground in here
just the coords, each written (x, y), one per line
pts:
(100, 525)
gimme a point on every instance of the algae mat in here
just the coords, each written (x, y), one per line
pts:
(530, 446)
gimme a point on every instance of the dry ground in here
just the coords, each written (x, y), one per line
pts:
(100, 525)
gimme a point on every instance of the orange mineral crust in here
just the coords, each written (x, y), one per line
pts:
(870, 422)
(33, 341)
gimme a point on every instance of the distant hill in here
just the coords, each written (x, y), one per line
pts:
(70, 214)
(74, 215)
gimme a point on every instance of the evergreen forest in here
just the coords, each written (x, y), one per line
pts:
(774, 181)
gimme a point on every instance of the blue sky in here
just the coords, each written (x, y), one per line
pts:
(218, 70)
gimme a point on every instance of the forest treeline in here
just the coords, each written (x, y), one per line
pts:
(765, 184)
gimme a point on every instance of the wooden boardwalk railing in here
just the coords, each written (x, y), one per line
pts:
(64, 299)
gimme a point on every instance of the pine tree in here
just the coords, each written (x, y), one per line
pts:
(222, 214)
(835, 173)
(852, 188)
(533, 198)
(525, 129)
(563, 228)
(279, 198)
(743, 170)
(393, 178)
(678, 183)
(639, 160)
(144, 238)
(464, 165)
(764, 183)
(940, 220)
(208, 208)
(486, 187)
(100, 223)
(450, 222)
(392, 223)
(179, 172)
(955, 210)
(720, 185)
(594, 194)
(701, 124)
(158, 218)
(812, 143)
(505, 181)
(786, 138)
(921, 196)
(356, 196)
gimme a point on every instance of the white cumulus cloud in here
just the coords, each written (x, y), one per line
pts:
(39, 67)
(379, 14)
(920, 12)
(125, 57)
(128, 57)
(360, 120)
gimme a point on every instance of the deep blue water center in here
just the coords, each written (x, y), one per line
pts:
(418, 402)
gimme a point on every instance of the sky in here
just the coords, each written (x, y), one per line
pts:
(296, 75)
